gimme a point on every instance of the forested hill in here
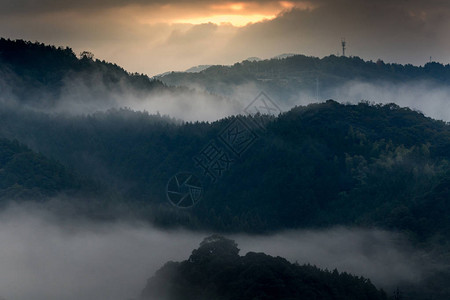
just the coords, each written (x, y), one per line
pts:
(40, 75)
(27, 175)
(288, 78)
(216, 271)
(321, 165)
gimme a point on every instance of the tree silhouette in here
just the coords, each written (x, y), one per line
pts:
(87, 55)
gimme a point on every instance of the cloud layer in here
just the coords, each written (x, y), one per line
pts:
(44, 257)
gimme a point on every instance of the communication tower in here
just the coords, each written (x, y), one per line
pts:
(343, 46)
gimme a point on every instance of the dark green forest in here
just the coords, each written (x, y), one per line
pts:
(372, 165)
(26, 174)
(216, 271)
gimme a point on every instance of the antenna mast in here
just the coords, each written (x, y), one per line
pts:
(343, 46)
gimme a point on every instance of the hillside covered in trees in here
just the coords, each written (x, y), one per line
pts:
(55, 79)
(25, 174)
(216, 271)
(315, 166)
(287, 78)
(39, 75)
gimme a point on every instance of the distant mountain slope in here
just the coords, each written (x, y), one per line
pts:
(288, 77)
(215, 271)
(198, 68)
(284, 55)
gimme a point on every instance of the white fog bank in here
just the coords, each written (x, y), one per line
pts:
(45, 258)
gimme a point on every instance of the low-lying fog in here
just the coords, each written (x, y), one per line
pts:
(43, 257)
(79, 97)
(431, 99)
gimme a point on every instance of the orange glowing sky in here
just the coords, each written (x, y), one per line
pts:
(234, 13)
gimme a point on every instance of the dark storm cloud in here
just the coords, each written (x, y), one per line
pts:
(365, 8)
(405, 31)
(30, 6)
(380, 6)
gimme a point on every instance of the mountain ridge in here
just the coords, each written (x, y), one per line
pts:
(290, 77)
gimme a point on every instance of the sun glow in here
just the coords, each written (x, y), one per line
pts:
(236, 13)
(287, 4)
(235, 20)
(229, 6)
